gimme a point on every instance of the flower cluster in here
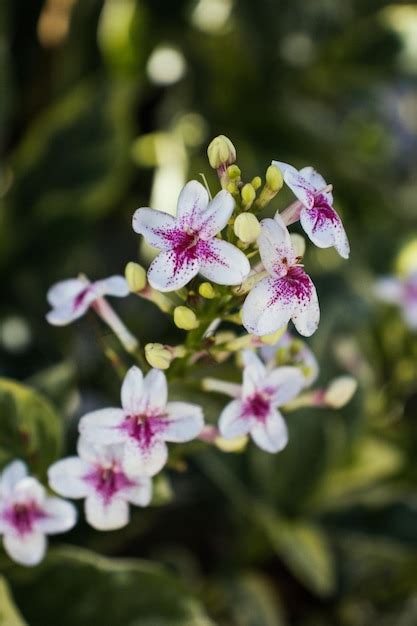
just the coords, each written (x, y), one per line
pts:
(252, 276)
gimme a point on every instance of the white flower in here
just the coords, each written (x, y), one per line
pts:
(27, 514)
(144, 423)
(96, 474)
(292, 351)
(71, 298)
(317, 216)
(403, 293)
(287, 293)
(254, 410)
(188, 244)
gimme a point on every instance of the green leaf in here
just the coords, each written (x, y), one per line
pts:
(30, 428)
(105, 591)
(254, 601)
(9, 614)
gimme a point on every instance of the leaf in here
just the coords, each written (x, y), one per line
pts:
(254, 601)
(30, 428)
(105, 591)
(9, 614)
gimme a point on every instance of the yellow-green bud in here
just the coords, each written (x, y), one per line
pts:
(135, 276)
(248, 194)
(232, 188)
(185, 318)
(274, 179)
(220, 152)
(271, 340)
(256, 182)
(237, 444)
(247, 227)
(206, 290)
(233, 172)
(158, 355)
(340, 391)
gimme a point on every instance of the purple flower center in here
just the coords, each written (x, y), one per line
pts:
(108, 481)
(258, 406)
(322, 213)
(79, 299)
(22, 516)
(144, 428)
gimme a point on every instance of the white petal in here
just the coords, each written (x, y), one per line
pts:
(324, 227)
(410, 314)
(275, 246)
(284, 167)
(112, 286)
(301, 188)
(231, 422)
(144, 461)
(192, 201)
(272, 435)
(217, 214)
(264, 311)
(65, 291)
(316, 180)
(287, 381)
(389, 289)
(28, 489)
(184, 422)
(28, 549)
(132, 391)
(102, 426)
(306, 316)
(170, 271)
(155, 226)
(60, 516)
(63, 315)
(254, 373)
(103, 515)
(11, 475)
(155, 391)
(222, 262)
(66, 477)
(141, 493)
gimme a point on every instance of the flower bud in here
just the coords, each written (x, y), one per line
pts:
(206, 290)
(248, 194)
(273, 338)
(256, 182)
(274, 179)
(185, 318)
(221, 152)
(340, 392)
(233, 172)
(247, 227)
(158, 355)
(237, 444)
(135, 276)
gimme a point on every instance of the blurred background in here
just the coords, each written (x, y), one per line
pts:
(109, 105)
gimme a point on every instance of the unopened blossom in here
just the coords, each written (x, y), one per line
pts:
(315, 211)
(403, 293)
(27, 515)
(97, 475)
(289, 350)
(254, 409)
(286, 293)
(188, 241)
(144, 423)
(71, 298)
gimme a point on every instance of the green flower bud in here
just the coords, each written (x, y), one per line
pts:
(340, 391)
(158, 355)
(185, 318)
(221, 152)
(274, 179)
(256, 182)
(135, 276)
(248, 194)
(233, 172)
(206, 290)
(247, 227)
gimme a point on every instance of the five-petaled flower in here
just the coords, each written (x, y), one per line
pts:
(286, 293)
(144, 423)
(316, 213)
(255, 407)
(96, 474)
(188, 242)
(403, 293)
(71, 298)
(27, 515)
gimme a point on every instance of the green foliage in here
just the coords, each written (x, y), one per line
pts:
(9, 614)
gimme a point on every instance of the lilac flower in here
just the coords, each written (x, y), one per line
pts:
(286, 293)
(71, 298)
(403, 293)
(188, 243)
(291, 351)
(27, 515)
(144, 423)
(96, 474)
(254, 410)
(317, 215)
